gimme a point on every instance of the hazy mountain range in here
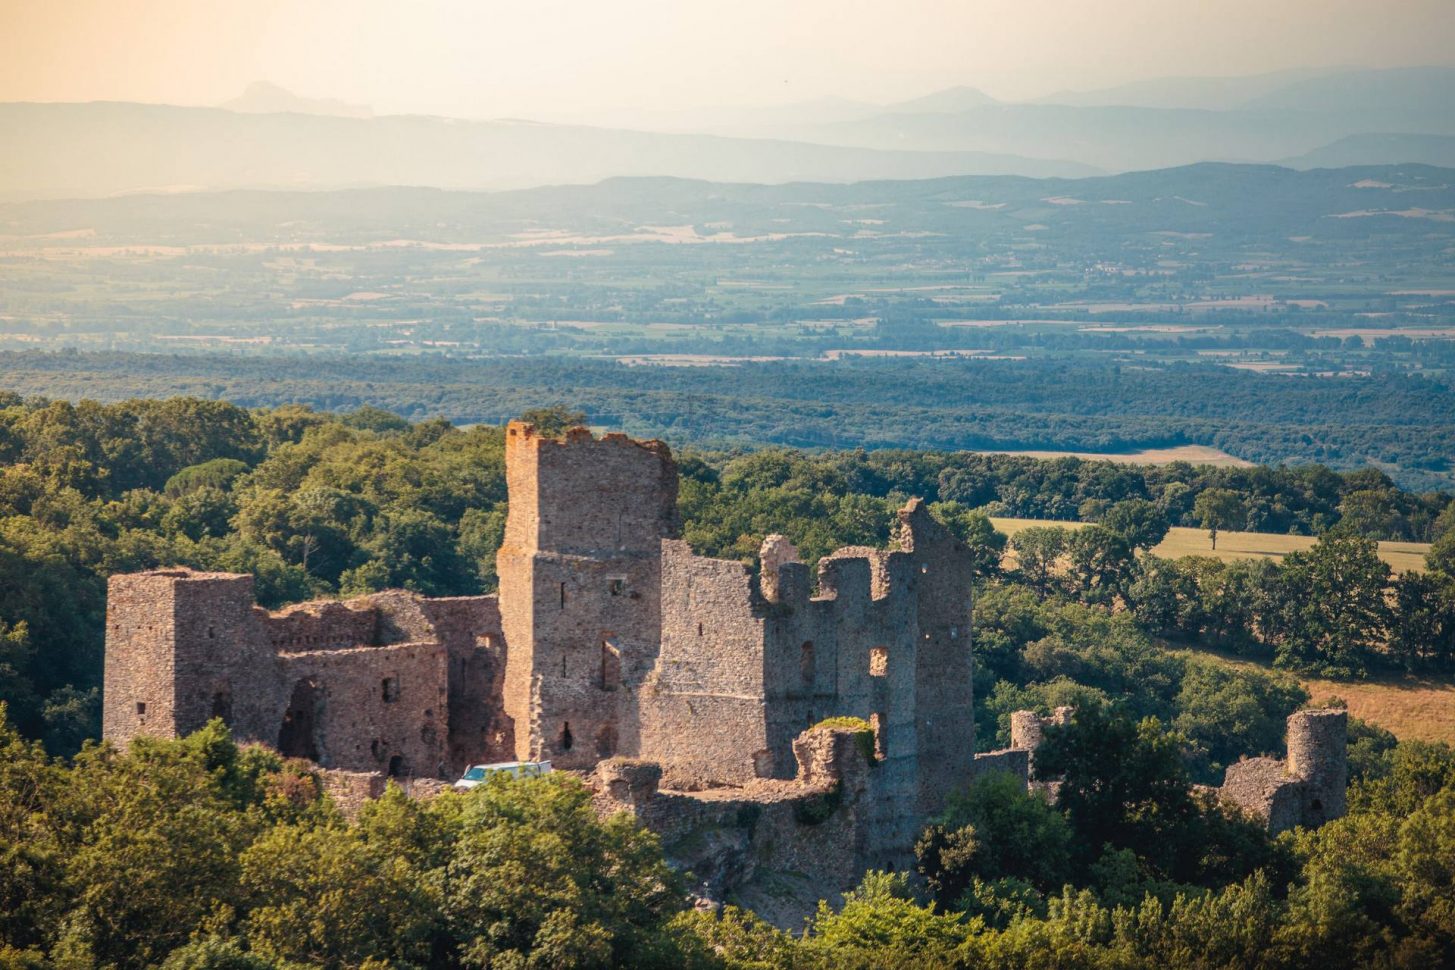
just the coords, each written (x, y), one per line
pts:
(269, 138)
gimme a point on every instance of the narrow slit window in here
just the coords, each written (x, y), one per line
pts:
(610, 665)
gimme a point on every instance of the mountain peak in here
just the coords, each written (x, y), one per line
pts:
(948, 101)
(265, 97)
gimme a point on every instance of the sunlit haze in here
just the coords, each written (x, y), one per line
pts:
(555, 59)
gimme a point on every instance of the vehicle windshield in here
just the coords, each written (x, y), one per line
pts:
(476, 773)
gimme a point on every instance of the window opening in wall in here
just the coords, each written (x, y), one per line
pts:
(880, 725)
(297, 737)
(376, 749)
(805, 661)
(566, 740)
(924, 570)
(610, 665)
(222, 706)
(396, 766)
(141, 708)
(878, 661)
(563, 663)
(617, 586)
(699, 629)
(211, 633)
(954, 632)
(606, 741)
(486, 640)
(563, 596)
(1317, 805)
(390, 689)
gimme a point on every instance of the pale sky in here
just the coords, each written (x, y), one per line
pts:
(544, 58)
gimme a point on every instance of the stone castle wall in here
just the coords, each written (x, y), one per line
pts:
(610, 639)
(364, 685)
(1309, 788)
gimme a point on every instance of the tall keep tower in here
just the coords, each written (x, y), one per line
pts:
(580, 588)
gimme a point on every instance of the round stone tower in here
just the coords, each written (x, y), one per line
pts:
(1318, 755)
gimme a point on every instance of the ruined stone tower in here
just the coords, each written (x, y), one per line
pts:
(179, 651)
(1318, 756)
(580, 588)
(1309, 788)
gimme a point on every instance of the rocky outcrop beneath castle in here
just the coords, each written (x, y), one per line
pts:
(822, 828)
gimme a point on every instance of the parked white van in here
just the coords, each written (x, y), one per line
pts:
(476, 774)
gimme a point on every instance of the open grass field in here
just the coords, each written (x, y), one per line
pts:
(1192, 454)
(1401, 556)
(1411, 708)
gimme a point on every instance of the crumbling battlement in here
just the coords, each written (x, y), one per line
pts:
(1308, 789)
(610, 639)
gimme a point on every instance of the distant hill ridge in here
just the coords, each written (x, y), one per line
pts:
(270, 138)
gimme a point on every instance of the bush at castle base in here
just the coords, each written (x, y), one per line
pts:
(194, 853)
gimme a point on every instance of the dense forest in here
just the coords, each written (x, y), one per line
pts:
(196, 854)
(1395, 421)
(200, 854)
(316, 504)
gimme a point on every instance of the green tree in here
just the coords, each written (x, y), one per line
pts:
(535, 870)
(1327, 606)
(1141, 523)
(1038, 551)
(992, 830)
(1217, 509)
(1123, 783)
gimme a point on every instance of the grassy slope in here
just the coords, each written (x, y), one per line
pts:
(1413, 708)
(1401, 556)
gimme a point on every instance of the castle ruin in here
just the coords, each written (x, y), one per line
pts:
(1309, 788)
(610, 642)
(687, 690)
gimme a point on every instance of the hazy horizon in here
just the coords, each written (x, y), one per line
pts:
(569, 60)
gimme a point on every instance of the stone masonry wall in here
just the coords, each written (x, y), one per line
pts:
(369, 708)
(580, 585)
(703, 706)
(184, 647)
(609, 639)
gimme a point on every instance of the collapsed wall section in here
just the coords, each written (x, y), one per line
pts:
(818, 828)
(381, 708)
